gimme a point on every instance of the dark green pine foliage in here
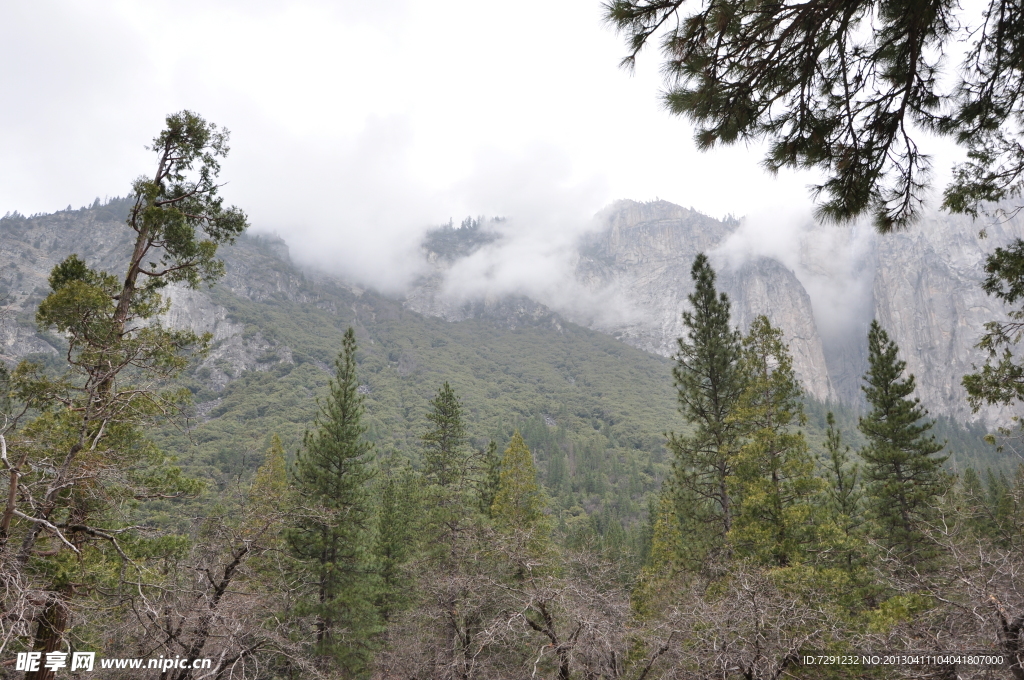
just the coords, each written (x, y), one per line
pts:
(845, 497)
(709, 382)
(444, 445)
(776, 520)
(842, 87)
(994, 509)
(492, 478)
(396, 540)
(903, 474)
(450, 499)
(332, 538)
(1001, 379)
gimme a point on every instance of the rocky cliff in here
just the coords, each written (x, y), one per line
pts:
(926, 290)
(644, 254)
(31, 246)
(822, 286)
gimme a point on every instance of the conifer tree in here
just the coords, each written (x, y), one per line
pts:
(450, 501)
(492, 478)
(396, 539)
(993, 508)
(709, 382)
(271, 480)
(117, 384)
(662, 562)
(444, 445)
(774, 480)
(845, 497)
(903, 473)
(519, 502)
(333, 538)
(518, 508)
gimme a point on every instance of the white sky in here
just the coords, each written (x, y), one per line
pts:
(442, 83)
(356, 123)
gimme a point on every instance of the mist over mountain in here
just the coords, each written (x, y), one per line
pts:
(627, 273)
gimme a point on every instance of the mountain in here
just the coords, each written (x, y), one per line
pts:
(644, 253)
(821, 285)
(592, 409)
(589, 388)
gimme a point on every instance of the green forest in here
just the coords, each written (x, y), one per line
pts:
(410, 498)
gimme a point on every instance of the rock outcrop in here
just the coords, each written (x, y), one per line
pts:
(927, 293)
(31, 247)
(923, 285)
(645, 254)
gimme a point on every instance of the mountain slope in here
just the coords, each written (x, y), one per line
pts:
(593, 409)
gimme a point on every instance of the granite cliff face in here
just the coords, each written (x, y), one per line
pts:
(927, 292)
(638, 264)
(822, 288)
(645, 253)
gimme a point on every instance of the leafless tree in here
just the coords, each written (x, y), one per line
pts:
(751, 624)
(972, 600)
(226, 598)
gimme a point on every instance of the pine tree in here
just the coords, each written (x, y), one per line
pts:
(450, 499)
(993, 509)
(444, 446)
(662, 562)
(333, 539)
(492, 478)
(1000, 380)
(903, 473)
(519, 503)
(843, 90)
(396, 538)
(845, 497)
(773, 482)
(271, 480)
(118, 383)
(709, 382)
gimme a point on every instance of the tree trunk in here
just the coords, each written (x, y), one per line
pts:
(50, 632)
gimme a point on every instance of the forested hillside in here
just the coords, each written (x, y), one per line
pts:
(338, 431)
(519, 493)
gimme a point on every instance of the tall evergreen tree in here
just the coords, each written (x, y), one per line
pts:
(444, 445)
(845, 497)
(662, 563)
(903, 473)
(271, 480)
(333, 537)
(492, 478)
(396, 539)
(709, 382)
(451, 501)
(774, 482)
(519, 502)
(118, 383)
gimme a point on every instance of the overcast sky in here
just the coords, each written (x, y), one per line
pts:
(356, 123)
(436, 88)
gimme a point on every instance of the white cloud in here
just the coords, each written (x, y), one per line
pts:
(833, 263)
